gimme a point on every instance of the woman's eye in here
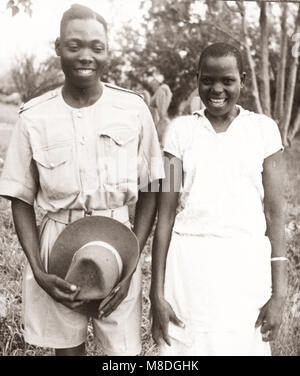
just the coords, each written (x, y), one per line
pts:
(206, 81)
(228, 81)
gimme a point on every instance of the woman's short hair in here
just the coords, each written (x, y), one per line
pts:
(221, 50)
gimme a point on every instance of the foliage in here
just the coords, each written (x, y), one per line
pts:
(174, 33)
(16, 5)
(170, 49)
(32, 79)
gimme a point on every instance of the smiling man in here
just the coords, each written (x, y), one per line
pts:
(87, 148)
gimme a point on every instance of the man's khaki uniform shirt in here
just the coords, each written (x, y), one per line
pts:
(91, 158)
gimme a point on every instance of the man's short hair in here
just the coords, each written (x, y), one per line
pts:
(221, 50)
(81, 12)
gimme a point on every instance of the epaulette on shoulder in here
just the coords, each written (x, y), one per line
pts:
(125, 90)
(38, 100)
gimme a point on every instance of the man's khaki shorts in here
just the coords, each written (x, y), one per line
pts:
(48, 323)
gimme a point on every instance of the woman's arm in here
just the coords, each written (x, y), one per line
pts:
(167, 204)
(26, 229)
(273, 178)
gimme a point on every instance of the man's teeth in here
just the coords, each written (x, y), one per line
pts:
(218, 101)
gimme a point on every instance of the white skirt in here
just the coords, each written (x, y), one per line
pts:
(217, 286)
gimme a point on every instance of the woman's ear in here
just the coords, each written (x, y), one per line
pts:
(243, 79)
(57, 46)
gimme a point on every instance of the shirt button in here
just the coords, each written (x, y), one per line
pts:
(52, 165)
(79, 115)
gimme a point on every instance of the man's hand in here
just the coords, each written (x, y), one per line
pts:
(162, 314)
(114, 299)
(60, 290)
(270, 318)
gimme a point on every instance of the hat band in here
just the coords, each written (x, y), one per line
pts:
(111, 249)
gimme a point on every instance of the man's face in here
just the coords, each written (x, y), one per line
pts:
(82, 48)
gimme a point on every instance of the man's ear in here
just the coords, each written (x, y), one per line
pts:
(57, 46)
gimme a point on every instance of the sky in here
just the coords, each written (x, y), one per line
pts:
(23, 34)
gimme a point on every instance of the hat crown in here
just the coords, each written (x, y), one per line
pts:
(96, 268)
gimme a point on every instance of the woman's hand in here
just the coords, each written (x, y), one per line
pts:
(270, 318)
(162, 314)
(59, 289)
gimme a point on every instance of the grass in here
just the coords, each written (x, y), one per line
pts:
(12, 261)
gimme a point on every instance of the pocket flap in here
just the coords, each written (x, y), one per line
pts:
(51, 158)
(121, 136)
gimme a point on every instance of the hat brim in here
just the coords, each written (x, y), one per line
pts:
(85, 230)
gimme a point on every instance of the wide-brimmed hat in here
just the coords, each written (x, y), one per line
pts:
(94, 253)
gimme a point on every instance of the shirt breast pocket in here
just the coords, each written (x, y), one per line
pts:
(57, 173)
(118, 147)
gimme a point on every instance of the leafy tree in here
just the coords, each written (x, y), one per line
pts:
(32, 79)
(16, 5)
(169, 43)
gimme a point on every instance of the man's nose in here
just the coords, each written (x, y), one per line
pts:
(85, 57)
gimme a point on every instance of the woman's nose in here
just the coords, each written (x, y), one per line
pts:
(217, 87)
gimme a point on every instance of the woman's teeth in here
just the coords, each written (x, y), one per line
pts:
(218, 102)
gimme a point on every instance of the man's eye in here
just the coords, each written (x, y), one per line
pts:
(73, 47)
(98, 49)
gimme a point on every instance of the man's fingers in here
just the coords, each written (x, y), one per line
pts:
(112, 301)
(265, 327)
(269, 332)
(63, 296)
(110, 306)
(65, 286)
(73, 305)
(260, 318)
(274, 332)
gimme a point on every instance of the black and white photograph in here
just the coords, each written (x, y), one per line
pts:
(149, 180)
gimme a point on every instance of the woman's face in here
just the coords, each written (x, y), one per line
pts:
(219, 84)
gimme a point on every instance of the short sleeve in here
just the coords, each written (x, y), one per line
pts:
(150, 163)
(19, 177)
(271, 136)
(172, 141)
